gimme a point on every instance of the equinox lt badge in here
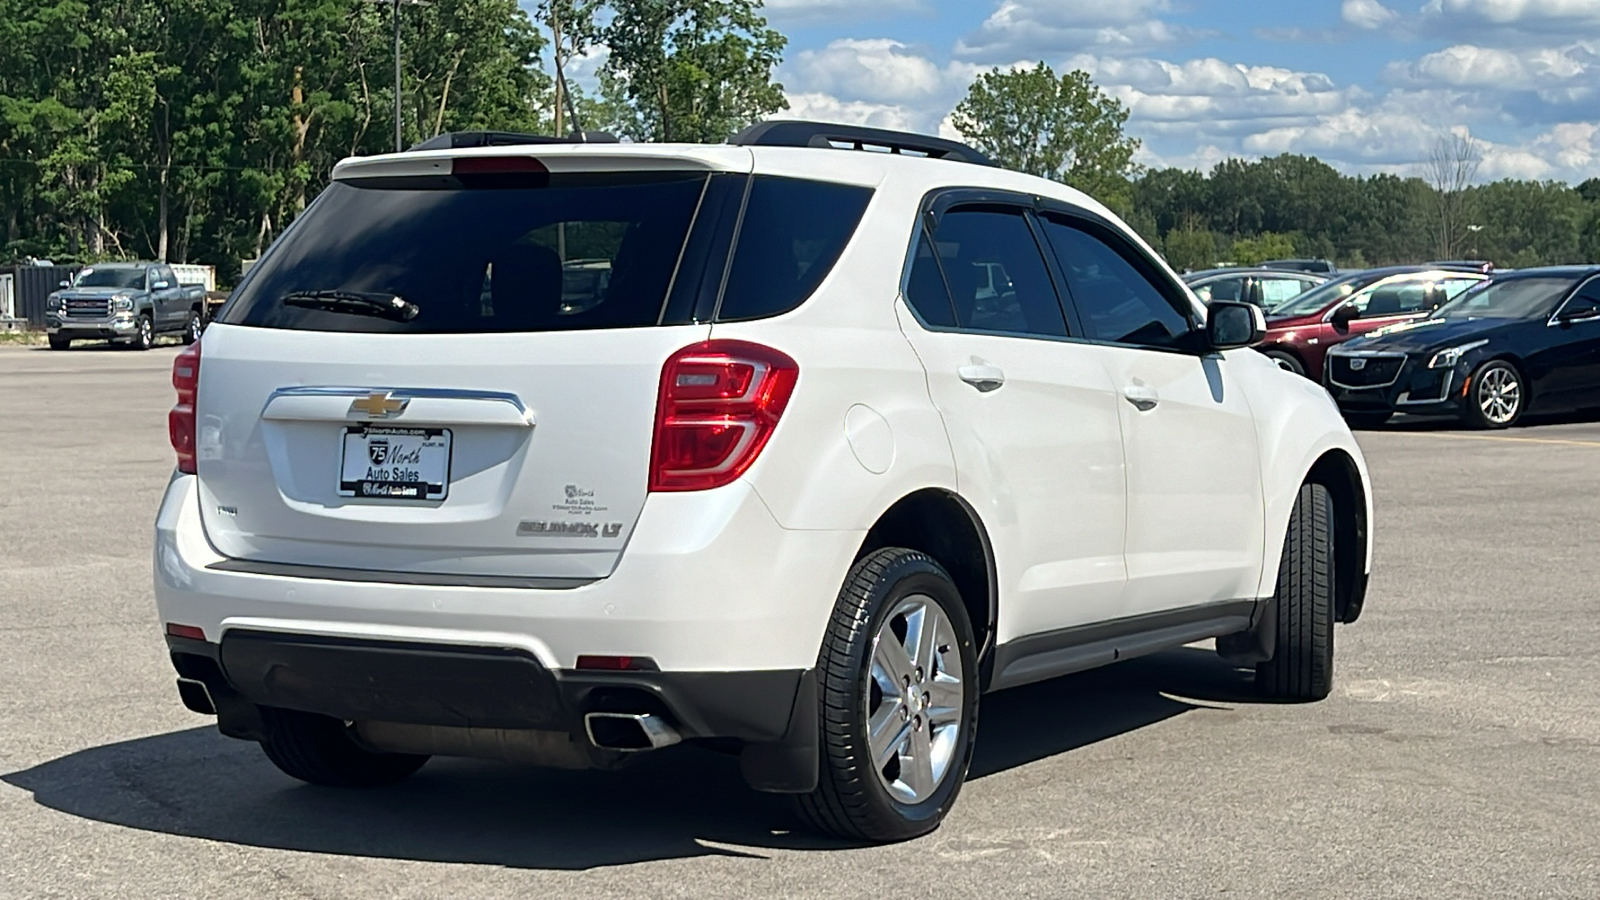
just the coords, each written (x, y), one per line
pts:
(569, 529)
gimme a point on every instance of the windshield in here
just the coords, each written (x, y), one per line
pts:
(1319, 297)
(111, 278)
(1517, 298)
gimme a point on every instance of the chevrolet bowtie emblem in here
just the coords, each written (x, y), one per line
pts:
(379, 405)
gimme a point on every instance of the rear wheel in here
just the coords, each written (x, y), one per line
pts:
(1495, 395)
(1301, 667)
(899, 701)
(321, 750)
(57, 342)
(1286, 361)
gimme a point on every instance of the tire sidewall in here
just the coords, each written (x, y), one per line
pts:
(191, 328)
(146, 338)
(1474, 412)
(916, 576)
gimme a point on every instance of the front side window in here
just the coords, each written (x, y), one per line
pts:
(1221, 289)
(990, 269)
(1116, 300)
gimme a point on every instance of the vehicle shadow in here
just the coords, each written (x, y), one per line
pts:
(678, 803)
(1450, 423)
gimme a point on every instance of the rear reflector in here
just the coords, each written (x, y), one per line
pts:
(718, 404)
(618, 663)
(192, 632)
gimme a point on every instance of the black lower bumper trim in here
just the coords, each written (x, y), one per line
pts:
(479, 687)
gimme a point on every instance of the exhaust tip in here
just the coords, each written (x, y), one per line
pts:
(629, 732)
(196, 696)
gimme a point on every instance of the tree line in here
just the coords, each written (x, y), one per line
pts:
(196, 130)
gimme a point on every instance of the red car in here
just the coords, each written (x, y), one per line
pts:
(1300, 331)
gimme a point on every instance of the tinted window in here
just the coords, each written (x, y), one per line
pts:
(1116, 300)
(793, 233)
(925, 292)
(1278, 291)
(1392, 298)
(996, 277)
(560, 253)
(1450, 288)
(1221, 289)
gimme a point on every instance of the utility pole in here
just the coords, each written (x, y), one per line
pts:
(399, 132)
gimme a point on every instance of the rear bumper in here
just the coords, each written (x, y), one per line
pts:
(708, 584)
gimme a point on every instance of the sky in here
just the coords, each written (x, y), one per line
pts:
(1366, 85)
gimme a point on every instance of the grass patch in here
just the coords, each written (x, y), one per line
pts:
(22, 338)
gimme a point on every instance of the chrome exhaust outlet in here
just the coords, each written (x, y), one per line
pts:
(629, 732)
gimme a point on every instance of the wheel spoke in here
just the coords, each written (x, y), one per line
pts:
(916, 767)
(944, 700)
(888, 744)
(891, 658)
(928, 639)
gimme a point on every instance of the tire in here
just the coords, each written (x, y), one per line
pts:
(320, 750)
(146, 338)
(1496, 396)
(1286, 361)
(1366, 419)
(60, 343)
(886, 599)
(1301, 667)
(192, 328)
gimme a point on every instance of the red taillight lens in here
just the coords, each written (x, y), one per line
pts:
(181, 420)
(718, 405)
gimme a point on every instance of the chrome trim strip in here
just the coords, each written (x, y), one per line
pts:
(411, 393)
(370, 576)
(1449, 380)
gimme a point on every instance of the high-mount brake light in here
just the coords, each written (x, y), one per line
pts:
(718, 404)
(497, 165)
(181, 420)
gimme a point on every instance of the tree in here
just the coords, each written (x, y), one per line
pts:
(691, 70)
(1451, 166)
(1191, 247)
(1256, 250)
(1065, 129)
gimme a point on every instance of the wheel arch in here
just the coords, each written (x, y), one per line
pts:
(1337, 471)
(945, 526)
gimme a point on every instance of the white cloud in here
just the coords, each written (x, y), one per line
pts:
(1517, 12)
(1034, 29)
(1467, 65)
(1368, 14)
(879, 68)
(826, 108)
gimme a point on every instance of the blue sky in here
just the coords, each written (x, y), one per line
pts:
(1368, 85)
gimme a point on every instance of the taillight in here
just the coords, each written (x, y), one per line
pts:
(718, 404)
(181, 420)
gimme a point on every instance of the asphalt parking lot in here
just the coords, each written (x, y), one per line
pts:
(1459, 755)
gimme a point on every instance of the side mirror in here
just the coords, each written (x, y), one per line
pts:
(1344, 315)
(160, 286)
(1230, 325)
(66, 284)
(1580, 311)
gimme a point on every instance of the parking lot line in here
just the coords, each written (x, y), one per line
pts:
(1491, 437)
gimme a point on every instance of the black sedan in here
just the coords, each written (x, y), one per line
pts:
(1525, 340)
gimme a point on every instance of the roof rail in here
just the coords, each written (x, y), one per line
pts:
(452, 140)
(792, 133)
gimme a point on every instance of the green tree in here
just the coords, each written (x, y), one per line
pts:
(1191, 247)
(1253, 251)
(1064, 129)
(690, 70)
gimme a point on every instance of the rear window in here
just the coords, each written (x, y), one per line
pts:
(563, 252)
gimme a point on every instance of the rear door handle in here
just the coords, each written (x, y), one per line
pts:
(984, 378)
(1143, 397)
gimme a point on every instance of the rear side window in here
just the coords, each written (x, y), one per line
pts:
(995, 277)
(792, 234)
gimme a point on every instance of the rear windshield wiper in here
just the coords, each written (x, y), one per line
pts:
(355, 303)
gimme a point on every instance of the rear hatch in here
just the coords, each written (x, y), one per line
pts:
(450, 365)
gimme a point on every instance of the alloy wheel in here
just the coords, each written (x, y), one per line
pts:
(1499, 395)
(914, 699)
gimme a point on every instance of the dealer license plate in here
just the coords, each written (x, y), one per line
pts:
(386, 463)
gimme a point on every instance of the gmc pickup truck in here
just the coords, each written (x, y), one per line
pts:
(127, 303)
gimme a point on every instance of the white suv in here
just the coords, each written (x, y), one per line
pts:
(557, 453)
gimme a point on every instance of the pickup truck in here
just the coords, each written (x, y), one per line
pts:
(127, 303)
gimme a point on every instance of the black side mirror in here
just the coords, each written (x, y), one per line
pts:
(1230, 325)
(1344, 315)
(1579, 311)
